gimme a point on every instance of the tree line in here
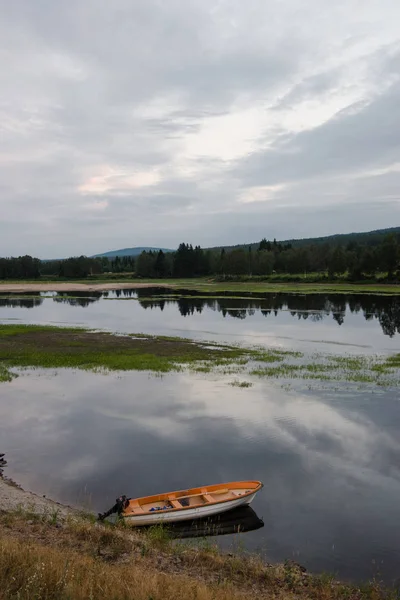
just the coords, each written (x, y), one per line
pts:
(352, 261)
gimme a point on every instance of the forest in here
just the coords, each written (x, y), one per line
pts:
(352, 261)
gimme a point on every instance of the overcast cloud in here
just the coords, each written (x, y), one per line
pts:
(151, 122)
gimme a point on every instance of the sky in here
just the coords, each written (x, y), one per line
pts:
(213, 122)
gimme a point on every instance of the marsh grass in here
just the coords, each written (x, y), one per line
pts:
(30, 346)
(55, 347)
(241, 384)
(376, 370)
(6, 374)
(58, 347)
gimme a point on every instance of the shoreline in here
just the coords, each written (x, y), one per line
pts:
(207, 287)
(40, 538)
(74, 287)
(14, 497)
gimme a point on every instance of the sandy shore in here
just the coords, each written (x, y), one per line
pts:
(73, 287)
(12, 497)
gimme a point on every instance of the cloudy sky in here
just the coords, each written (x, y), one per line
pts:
(151, 122)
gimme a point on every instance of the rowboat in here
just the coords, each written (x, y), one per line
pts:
(186, 505)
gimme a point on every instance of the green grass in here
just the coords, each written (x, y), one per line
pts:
(393, 362)
(241, 384)
(72, 347)
(278, 371)
(210, 286)
(306, 285)
(376, 370)
(5, 374)
(55, 347)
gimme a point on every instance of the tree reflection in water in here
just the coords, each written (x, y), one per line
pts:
(316, 307)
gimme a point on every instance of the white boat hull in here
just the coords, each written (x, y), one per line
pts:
(189, 514)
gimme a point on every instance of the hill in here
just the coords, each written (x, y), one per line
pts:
(130, 251)
(369, 238)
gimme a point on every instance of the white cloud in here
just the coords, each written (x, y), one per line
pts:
(130, 120)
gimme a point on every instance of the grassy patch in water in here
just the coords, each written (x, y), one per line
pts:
(356, 369)
(44, 346)
(241, 384)
(284, 370)
(58, 347)
(393, 362)
(6, 374)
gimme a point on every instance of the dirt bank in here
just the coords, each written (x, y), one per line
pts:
(44, 555)
(13, 497)
(52, 551)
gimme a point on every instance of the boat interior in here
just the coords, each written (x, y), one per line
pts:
(190, 498)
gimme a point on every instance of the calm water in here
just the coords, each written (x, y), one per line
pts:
(334, 323)
(329, 458)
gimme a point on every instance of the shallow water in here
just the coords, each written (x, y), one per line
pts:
(332, 323)
(329, 457)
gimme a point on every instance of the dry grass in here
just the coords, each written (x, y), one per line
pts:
(44, 557)
(33, 571)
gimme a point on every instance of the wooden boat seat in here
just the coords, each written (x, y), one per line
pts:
(198, 499)
(135, 507)
(208, 498)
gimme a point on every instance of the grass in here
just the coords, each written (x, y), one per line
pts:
(393, 362)
(241, 384)
(58, 347)
(354, 369)
(276, 371)
(71, 347)
(304, 285)
(6, 374)
(254, 286)
(45, 557)
(55, 347)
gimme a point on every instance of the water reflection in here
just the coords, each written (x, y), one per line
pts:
(274, 310)
(77, 298)
(329, 461)
(239, 520)
(20, 302)
(315, 307)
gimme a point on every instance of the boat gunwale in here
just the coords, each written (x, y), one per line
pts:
(133, 515)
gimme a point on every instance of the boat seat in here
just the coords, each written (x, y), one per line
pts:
(208, 498)
(176, 504)
(135, 507)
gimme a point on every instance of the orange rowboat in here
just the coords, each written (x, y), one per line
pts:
(194, 503)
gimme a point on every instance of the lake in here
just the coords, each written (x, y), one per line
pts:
(328, 453)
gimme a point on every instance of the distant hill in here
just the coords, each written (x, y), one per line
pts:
(130, 252)
(368, 237)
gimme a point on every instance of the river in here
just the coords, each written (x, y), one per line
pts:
(328, 453)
